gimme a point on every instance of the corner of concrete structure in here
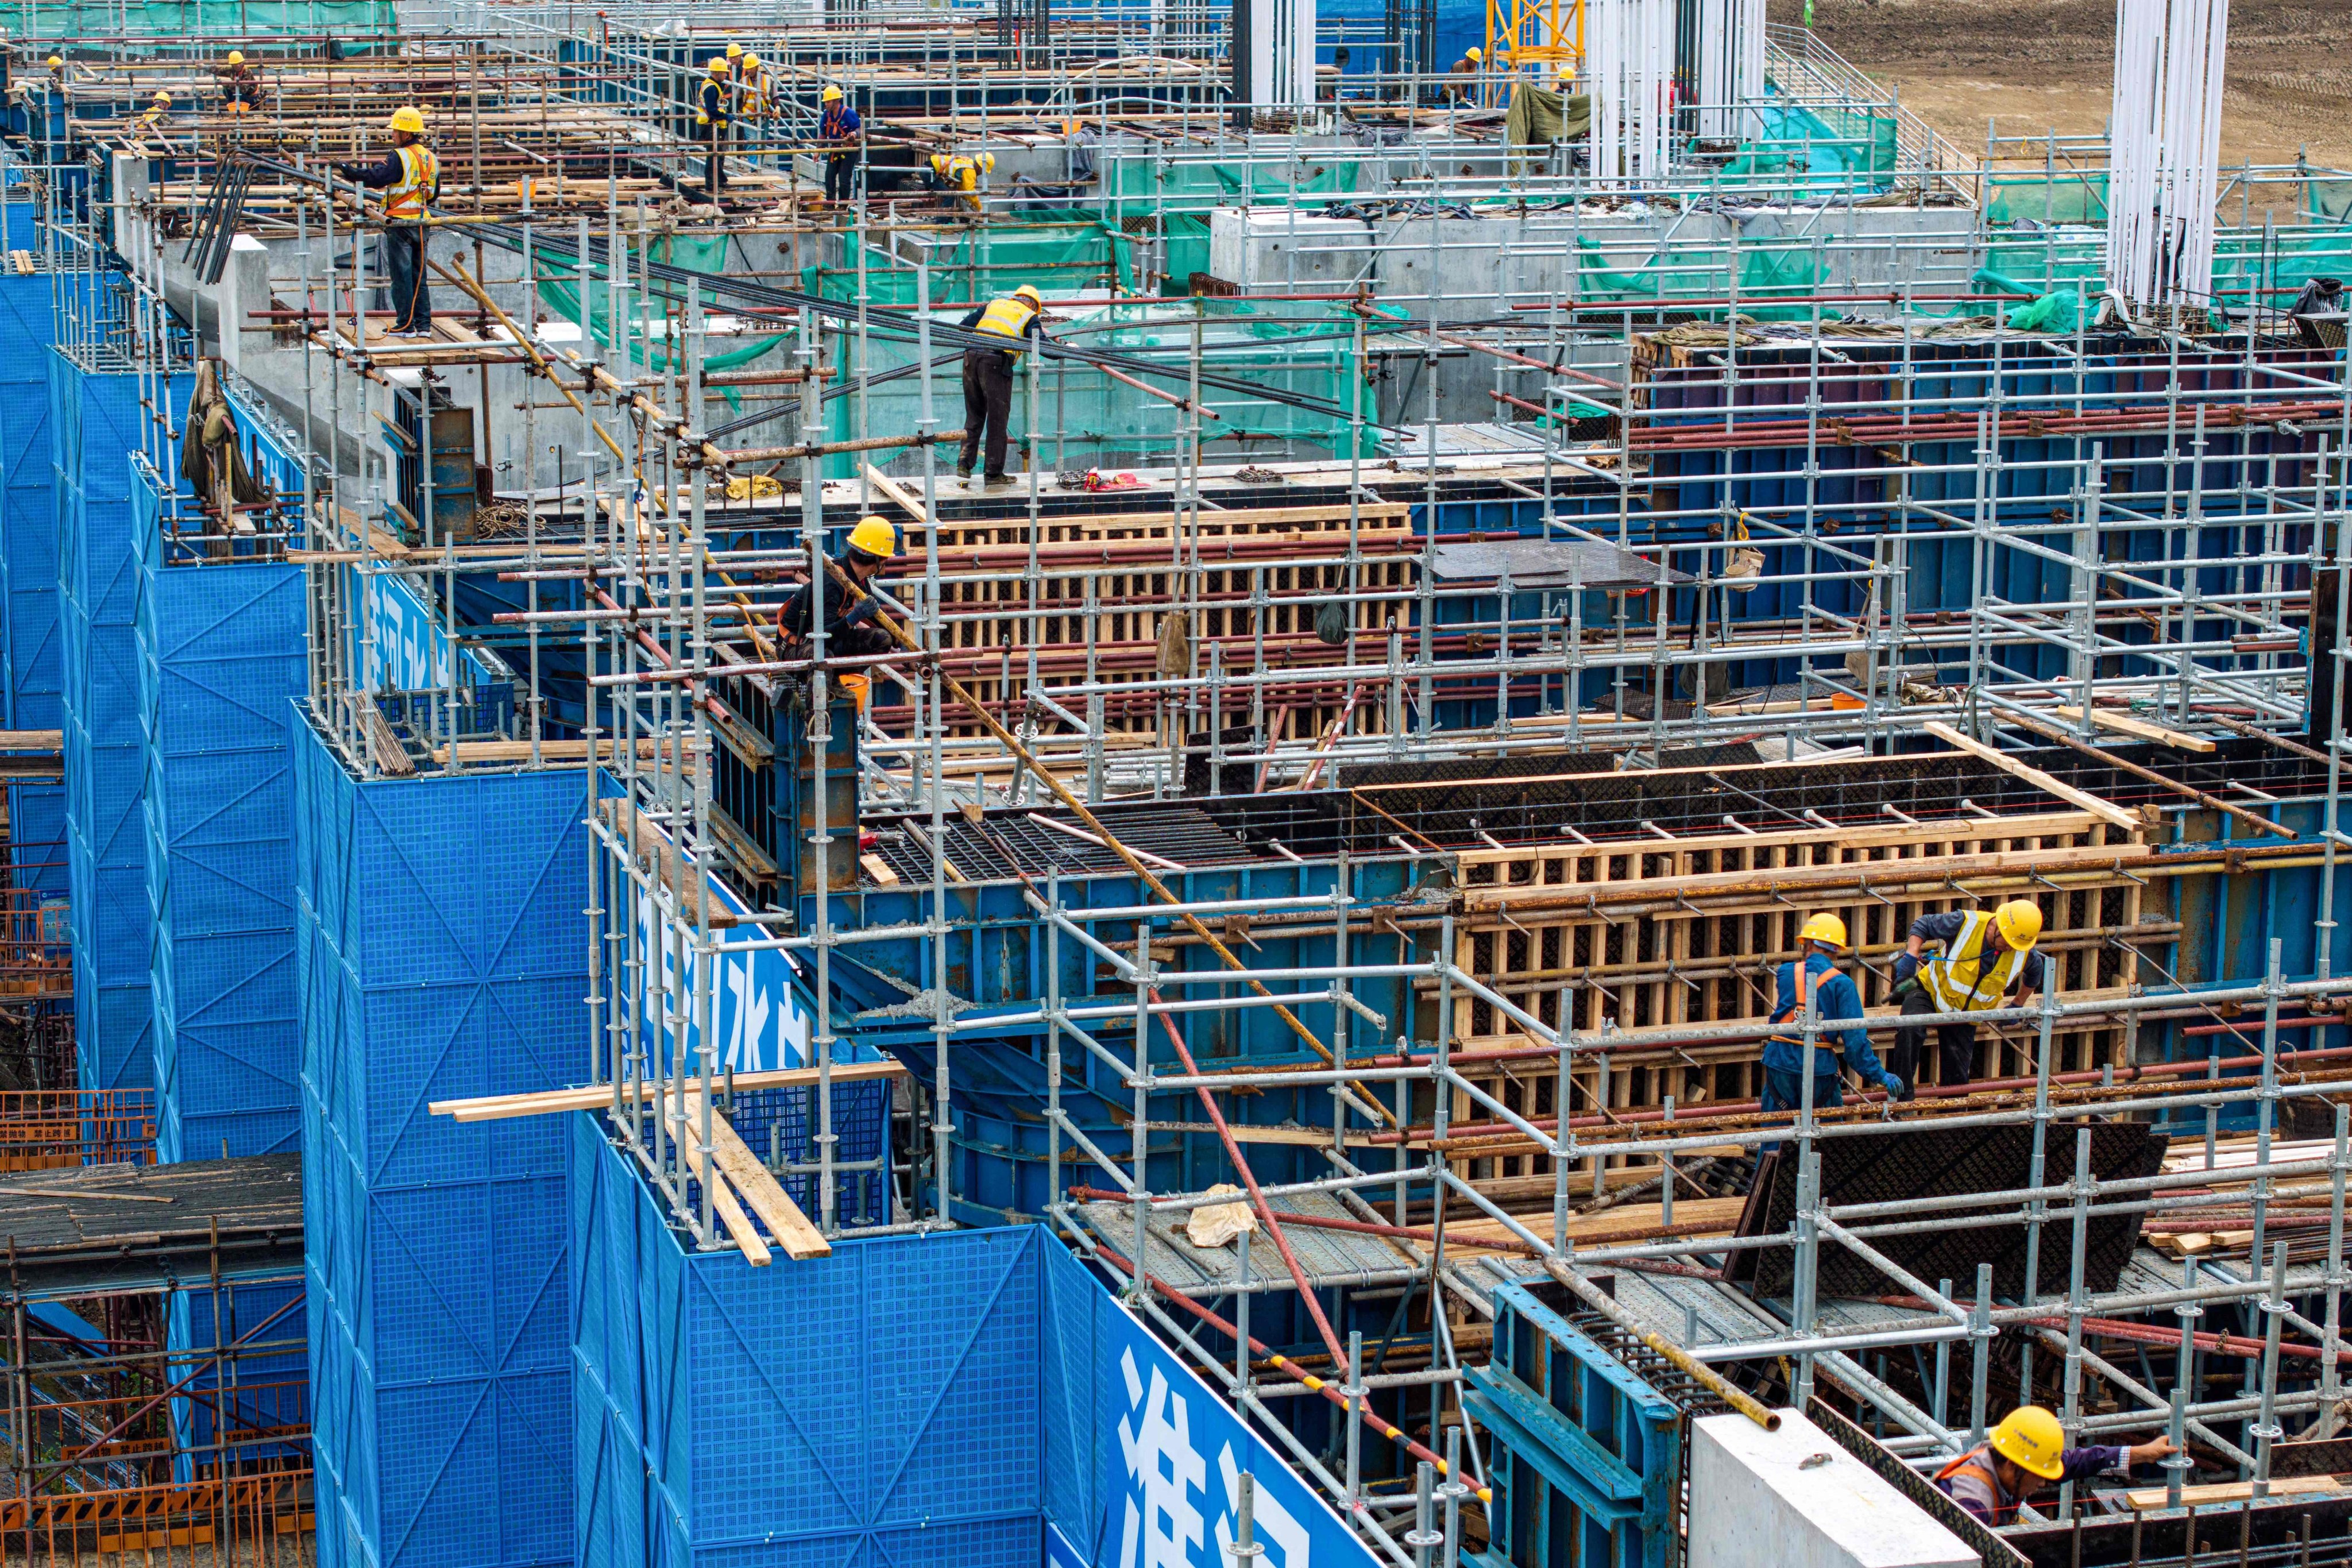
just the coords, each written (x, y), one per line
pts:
(1794, 1498)
(244, 288)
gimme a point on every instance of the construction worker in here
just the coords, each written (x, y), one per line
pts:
(1835, 1000)
(2027, 1452)
(240, 88)
(837, 126)
(953, 172)
(711, 119)
(158, 108)
(56, 73)
(1981, 959)
(849, 629)
(1461, 81)
(410, 178)
(988, 377)
(753, 86)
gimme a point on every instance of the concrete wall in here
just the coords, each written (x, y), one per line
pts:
(1794, 1498)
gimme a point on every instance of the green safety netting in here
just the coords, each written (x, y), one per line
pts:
(2329, 199)
(1766, 272)
(649, 336)
(1064, 257)
(1301, 348)
(1134, 187)
(2065, 197)
(2273, 267)
(1819, 147)
(100, 19)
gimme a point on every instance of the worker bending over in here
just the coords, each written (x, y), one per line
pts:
(712, 117)
(837, 127)
(1979, 959)
(1461, 81)
(2025, 1453)
(958, 176)
(410, 178)
(850, 631)
(1834, 1000)
(988, 378)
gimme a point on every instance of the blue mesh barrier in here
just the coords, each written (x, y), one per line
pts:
(31, 649)
(440, 953)
(958, 1399)
(221, 650)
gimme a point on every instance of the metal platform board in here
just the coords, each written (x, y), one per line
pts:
(99, 1228)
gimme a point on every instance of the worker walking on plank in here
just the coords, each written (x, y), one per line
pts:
(410, 178)
(1834, 1000)
(1979, 959)
(2026, 1453)
(988, 377)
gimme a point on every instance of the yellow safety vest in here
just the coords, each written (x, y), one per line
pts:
(420, 182)
(962, 172)
(1959, 979)
(1007, 318)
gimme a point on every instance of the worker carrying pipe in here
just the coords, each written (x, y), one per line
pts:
(1834, 1000)
(2026, 1453)
(988, 377)
(850, 631)
(410, 178)
(1979, 959)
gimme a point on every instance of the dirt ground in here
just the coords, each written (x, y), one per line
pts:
(2030, 66)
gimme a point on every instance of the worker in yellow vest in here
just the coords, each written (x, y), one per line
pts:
(959, 175)
(410, 178)
(712, 117)
(988, 377)
(1981, 960)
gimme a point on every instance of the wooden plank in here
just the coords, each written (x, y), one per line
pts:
(390, 755)
(800, 1240)
(502, 1106)
(2105, 811)
(2126, 724)
(52, 740)
(2140, 1497)
(909, 502)
(723, 1203)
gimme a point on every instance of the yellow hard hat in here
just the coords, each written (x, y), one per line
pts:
(750, 61)
(410, 118)
(986, 161)
(2019, 922)
(2030, 1438)
(56, 60)
(1028, 291)
(830, 95)
(717, 65)
(734, 51)
(237, 56)
(1474, 54)
(874, 536)
(162, 96)
(1824, 927)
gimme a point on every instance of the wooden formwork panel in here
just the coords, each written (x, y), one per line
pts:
(1642, 939)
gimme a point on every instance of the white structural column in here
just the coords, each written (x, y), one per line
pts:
(1628, 68)
(2164, 147)
(1730, 62)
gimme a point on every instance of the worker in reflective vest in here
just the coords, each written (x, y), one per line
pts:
(410, 178)
(1979, 959)
(715, 113)
(959, 175)
(837, 127)
(1834, 1000)
(2025, 1453)
(988, 378)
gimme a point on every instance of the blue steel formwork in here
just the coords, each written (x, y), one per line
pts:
(967, 1399)
(440, 953)
(30, 644)
(95, 417)
(221, 647)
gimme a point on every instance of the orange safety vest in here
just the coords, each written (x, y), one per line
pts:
(1811, 991)
(2004, 1508)
(420, 182)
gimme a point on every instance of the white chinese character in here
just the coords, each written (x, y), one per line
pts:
(1163, 1525)
(1272, 1526)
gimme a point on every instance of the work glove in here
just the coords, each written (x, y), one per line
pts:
(1901, 1091)
(1906, 970)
